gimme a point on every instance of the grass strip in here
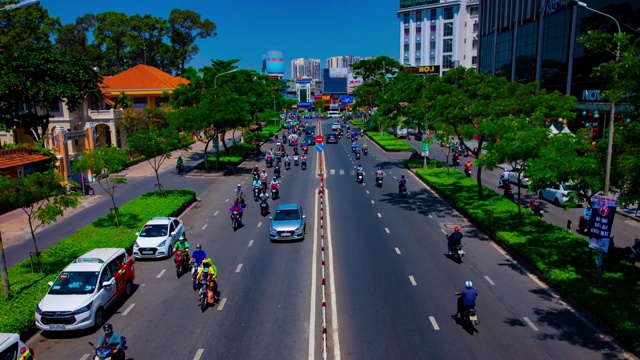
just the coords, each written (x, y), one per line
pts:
(388, 142)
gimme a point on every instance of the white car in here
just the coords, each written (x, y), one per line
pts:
(558, 194)
(13, 349)
(157, 237)
(336, 126)
(85, 289)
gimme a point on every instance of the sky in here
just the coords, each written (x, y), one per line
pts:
(246, 28)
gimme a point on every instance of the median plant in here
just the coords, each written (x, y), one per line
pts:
(388, 142)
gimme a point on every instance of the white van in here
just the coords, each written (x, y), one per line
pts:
(12, 348)
(401, 132)
(333, 114)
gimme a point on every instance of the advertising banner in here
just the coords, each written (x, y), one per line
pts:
(317, 97)
(303, 81)
(275, 61)
(338, 72)
(346, 100)
(334, 107)
(423, 70)
(326, 97)
(304, 104)
(601, 221)
(352, 83)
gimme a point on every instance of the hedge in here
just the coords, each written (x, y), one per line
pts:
(238, 152)
(559, 257)
(266, 132)
(27, 288)
(358, 122)
(388, 142)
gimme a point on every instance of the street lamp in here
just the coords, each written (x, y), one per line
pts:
(613, 105)
(21, 4)
(215, 79)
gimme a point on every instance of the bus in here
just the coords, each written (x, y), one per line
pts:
(333, 114)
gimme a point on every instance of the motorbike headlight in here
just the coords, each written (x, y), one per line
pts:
(83, 309)
(163, 243)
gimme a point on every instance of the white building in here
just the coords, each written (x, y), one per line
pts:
(305, 67)
(340, 62)
(439, 32)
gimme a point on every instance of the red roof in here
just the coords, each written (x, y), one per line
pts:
(143, 77)
(19, 156)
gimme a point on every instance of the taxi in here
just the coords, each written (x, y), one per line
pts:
(85, 289)
(11, 348)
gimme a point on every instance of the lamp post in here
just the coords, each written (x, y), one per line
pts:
(215, 85)
(21, 4)
(613, 104)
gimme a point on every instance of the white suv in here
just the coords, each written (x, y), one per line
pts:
(85, 289)
(336, 126)
(157, 237)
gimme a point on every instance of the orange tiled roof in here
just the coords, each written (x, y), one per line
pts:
(142, 77)
(20, 156)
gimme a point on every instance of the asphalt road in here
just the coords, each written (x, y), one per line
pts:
(395, 287)
(265, 307)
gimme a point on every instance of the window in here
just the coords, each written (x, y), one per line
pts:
(447, 61)
(448, 13)
(433, 29)
(434, 14)
(418, 46)
(448, 29)
(139, 103)
(474, 44)
(432, 45)
(54, 106)
(418, 61)
(406, 47)
(418, 15)
(406, 18)
(475, 27)
(473, 11)
(447, 45)
(474, 60)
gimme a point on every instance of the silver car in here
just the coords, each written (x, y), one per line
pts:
(288, 223)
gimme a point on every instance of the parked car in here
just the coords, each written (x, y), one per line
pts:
(558, 194)
(12, 348)
(332, 138)
(85, 289)
(287, 223)
(514, 180)
(157, 237)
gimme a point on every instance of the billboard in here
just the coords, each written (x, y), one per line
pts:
(317, 97)
(303, 80)
(346, 100)
(326, 97)
(423, 70)
(274, 60)
(352, 83)
(338, 73)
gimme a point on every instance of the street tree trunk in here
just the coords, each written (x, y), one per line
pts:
(35, 244)
(3, 271)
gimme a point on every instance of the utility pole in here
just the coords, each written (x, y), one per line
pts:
(3, 271)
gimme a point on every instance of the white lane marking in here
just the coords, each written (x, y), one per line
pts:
(379, 215)
(372, 202)
(332, 284)
(530, 323)
(128, 309)
(85, 356)
(367, 191)
(250, 243)
(413, 281)
(434, 323)
(161, 272)
(443, 231)
(387, 230)
(312, 307)
(397, 251)
(222, 302)
(341, 172)
(489, 280)
(332, 171)
(430, 217)
(260, 224)
(215, 213)
(226, 200)
(204, 227)
(198, 354)
(238, 268)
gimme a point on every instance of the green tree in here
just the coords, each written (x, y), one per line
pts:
(105, 163)
(156, 145)
(185, 27)
(26, 26)
(42, 199)
(376, 74)
(146, 45)
(110, 34)
(35, 77)
(73, 37)
(318, 105)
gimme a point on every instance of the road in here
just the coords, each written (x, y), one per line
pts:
(393, 285)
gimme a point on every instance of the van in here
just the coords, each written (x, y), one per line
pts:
(333, 114)
(401, 132)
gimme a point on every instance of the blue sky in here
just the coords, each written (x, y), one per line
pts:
(246, 28)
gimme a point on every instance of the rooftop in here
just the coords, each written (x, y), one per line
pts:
(20, 156)
(142, 77)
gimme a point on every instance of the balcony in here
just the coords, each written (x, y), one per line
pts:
(104, 115)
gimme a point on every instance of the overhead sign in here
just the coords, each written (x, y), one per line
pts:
(319, 139)
(319, 147)
(304, 80)
(326, 97)
(423, 70)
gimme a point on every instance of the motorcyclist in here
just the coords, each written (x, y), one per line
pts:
(236, 207)
(379, 173)
(255, 171)
(264, 197)
(402, 182)
(287, 160)
(455, 239)
(182, 244)
(359, 169)
(303, 158)
(270, 156)
(197, 257)
(179, 161)
(263, 175)
(240, 194)
(229, 168)
(456, 158)
(111, 339)
(365, 147)
(504, 177)
(209, 274)
(467, 298)
(353, 145)
(256, 183)
(467, 166)
(274, 182)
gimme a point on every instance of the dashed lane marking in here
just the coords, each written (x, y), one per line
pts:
(397, 251)
(489, 280)
(260, 224)
(222, 302)
(413, 281)
(238, 268)
(372, 202)
(85, 356)
(367, 191)
(341, 172)
(215, 213)
(443, 231)
(430, 217)
(128, 309)
(434, 323)
(198, 354)
(226, 200)
(387, 230)
(250, 243)
(204, 227)
(530, 323)
(332, 171)
(379, 215)
(161, 272)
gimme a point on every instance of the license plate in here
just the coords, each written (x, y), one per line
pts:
(473, 317)
(57, 326)
(147, 252)
(286, 234)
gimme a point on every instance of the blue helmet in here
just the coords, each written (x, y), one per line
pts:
(468, 284)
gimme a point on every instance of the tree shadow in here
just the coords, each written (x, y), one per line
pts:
(127, 220)
(421, 201)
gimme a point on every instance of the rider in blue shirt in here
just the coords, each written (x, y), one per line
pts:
(110, 338)
(467, 298)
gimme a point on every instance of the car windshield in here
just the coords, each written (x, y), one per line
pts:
(75, 283)
(285, 215)
(154, 230)
(566, 187)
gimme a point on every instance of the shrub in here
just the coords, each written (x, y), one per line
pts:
(558, 256)
(237, 154)
(358, 122)
(388, 142)
(27, 288)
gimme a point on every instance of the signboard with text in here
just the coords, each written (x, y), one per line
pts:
(274, 60)
(423, 70)
(601, 221)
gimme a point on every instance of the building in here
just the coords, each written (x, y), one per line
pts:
(535, 40)
(305, 67)
(342, 62)
(334, 81)
(439, 32)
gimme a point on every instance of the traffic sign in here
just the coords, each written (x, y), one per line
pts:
(319, 147)
(319, 140)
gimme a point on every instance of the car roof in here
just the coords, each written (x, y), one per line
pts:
(288, 207)
(94, 260)
(160, 220)
(7, 339)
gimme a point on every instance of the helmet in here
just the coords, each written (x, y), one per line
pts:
(275, 178)
(264, 170)
(198, 247)
(456, 228)
(107, 326)
(378, 167)
(402, 177)
(239, 185)
(468, 284)
(236, 202)
(182, 238)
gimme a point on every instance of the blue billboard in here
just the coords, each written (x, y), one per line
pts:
(274, 60)
(346, 100)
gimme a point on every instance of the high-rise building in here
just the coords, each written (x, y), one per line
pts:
(340, 62)
(305, 67)
(439, 32)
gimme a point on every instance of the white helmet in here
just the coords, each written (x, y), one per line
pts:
(468, 284)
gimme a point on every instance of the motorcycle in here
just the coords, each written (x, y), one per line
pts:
(228, 171)
(467, 172)
(287, 165)
(360, 177)
(402, 190)
(456, 162)
(88, 190)
(583, 225)
(305, 150)
(303, 165)
(275, 192)
(179, 168)
(508, 193)
(536, 208)
(256, 193)
(379, 181)
(457, 253)
(357, 155)
(353, 149)
(269, 163)
(276, 171)
(105, 352)
(365, 151)
(181, 258)
(469, 316)
(296, 158)
(195, 268)
(264, 208)
(206, 294)
(235, 220)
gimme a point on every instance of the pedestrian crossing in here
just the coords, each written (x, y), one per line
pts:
(345, 172)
